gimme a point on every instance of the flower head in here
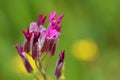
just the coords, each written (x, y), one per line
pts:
(39, 40)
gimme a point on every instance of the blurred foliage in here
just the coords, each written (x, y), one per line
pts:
(98, 20)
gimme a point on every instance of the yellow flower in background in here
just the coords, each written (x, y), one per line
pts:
(85, 50)
(17, 65)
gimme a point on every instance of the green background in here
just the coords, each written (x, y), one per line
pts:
(96, 19)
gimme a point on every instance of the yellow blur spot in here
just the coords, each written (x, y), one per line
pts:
(17, 65)
(85, 50)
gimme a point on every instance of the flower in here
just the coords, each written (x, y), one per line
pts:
(85, 50)
(53, 45)
(60, 64)
(51, 33)
(41, 19)
(28, 36)
(53, 20)
(22, 55)
(52, 16)
(39, 40)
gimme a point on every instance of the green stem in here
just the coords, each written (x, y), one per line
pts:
(37, 65)
(43, 57)
(48, 63)
(42, 70)
(35, 76)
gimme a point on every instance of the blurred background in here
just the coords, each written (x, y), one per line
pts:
(90, 37)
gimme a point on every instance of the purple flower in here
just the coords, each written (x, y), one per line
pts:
(53, 20)
(52, 16)
(20, 50)
(51, 40)
(36, 37)
(45, 46)
(51, 33)
(28, 36)
(53, 45)
(35, 48)
(35, 51)
(40, 40)
(41, 19)
(57, 28)
(58, 71)
(50, 46)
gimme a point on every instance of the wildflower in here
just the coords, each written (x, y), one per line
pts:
(53, 20)
(41, 19)
(85, 50)
(60, 64)
(39, 40)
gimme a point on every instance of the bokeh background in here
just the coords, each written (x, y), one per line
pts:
(90, 37)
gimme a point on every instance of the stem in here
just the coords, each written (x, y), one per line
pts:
(37, 65)
(48, 63)
(43, 57)
(42, 70)
(35, 77)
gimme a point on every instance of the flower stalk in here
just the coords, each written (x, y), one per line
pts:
(42, 70)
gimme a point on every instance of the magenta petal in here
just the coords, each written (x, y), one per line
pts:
(27, 46)
(62, 55)
(58, 28)
(41, 19)
(52, 16)
(27, 65)
(45, 46)
(61, 16)
(51, 33)
(58, 70)
(52, 51)
(36, 37)
(20, 50)
(27, 34)
(52, 46)
(35, 52)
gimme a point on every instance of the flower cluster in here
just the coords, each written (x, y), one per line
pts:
(40, 41)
